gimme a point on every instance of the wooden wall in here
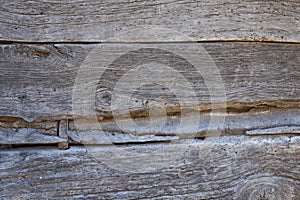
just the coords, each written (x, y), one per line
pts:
(61, 138)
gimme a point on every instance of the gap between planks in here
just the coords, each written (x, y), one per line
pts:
(260, 40)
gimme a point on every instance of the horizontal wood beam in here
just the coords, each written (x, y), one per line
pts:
(273, 122)
(37, 81)
(234, 168)
(213, 99)
(154, 21)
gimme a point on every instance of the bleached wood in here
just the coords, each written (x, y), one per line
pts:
(256, 76)
(235, 168)
(205, 20)
(28, 136)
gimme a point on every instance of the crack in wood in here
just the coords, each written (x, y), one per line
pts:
(259, 124)
(246, 40)
(278, 130)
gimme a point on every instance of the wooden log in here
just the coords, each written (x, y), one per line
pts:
(94, 21)
(235, 168)
(256, 76)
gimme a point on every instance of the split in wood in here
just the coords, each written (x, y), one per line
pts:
(263, 124)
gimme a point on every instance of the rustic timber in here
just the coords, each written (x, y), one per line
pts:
(233, 124)
(94, 21)
(245, 144)
(276, 130)
(256, 76)
(15, 123)
(272, 122)
(28, 136)
(236, 168)
(93, 137)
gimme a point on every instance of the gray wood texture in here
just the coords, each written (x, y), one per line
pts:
(249, 152)
(90, 21)
(37, 80)
(62, 132)
(236, 168)
(280, 122)
(276, 130)
(28, 136)
(273, 122)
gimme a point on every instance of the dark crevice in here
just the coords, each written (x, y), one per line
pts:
(199, 138)
(273, 135)
(146, 42)
(18, 146)
(141, 142)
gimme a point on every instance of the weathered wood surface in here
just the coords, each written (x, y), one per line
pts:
(62, 132)
(37, 80)
(273, 122)
(89, 21)
(235, 168)
(275, 130)
(233, 124)
(28, 136)
(252, 154)
(18, 132)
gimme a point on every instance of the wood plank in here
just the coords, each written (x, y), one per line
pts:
(276, 130)
(175, 129)
(15, 123)
(90, 137)
(235, 168)
(37, 80)
(159, 20)
(14, 131)
(273, 122)
(28, 136)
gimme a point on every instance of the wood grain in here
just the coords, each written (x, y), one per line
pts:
(246, 144)
(277, 130)
(273, 122)
(28, 136)
(159, 20)
(37, 80)
(281, 122)
(62, 132)
(235, 168)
